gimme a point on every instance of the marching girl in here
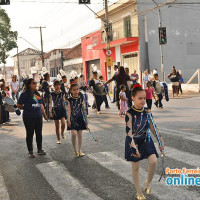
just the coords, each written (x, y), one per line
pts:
(138, 144)
(58, 112)
(76, 118)
(123, 101)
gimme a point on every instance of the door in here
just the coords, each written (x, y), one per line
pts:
(131, 61)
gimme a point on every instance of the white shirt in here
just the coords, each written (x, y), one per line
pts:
(123, 95)
(66, 87)
(14, 85)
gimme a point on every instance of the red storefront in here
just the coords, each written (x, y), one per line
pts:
(124, 50)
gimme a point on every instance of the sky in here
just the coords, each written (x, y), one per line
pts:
(66, 22)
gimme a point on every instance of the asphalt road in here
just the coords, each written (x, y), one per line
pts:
(102, 173)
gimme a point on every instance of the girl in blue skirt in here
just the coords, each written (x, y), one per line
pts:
(76, 118)
(138, 144)
(58, 112)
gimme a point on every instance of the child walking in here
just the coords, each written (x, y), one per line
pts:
(123, 100)
(58, 112)
(158, 91)
(149, 95)
(139, 145)
(76, 118)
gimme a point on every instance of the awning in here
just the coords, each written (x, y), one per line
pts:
(117, 43)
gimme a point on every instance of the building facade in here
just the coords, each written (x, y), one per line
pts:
(7, 72)
(124, 37)
(27, 62)
(183, 39)
(56, 61)
(73, 61)
(91, 56)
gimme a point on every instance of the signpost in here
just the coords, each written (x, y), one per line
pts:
(109, 61)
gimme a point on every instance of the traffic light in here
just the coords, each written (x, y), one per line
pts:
(162, 35)
(4, 2)
(84, 1)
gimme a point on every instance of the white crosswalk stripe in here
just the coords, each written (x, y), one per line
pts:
(123, 168)
(3, 190)
(184, 135)
(63, 183)
(184, 157)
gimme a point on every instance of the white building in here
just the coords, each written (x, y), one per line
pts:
(27, 62)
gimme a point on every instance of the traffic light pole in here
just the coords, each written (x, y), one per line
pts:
(161, 46)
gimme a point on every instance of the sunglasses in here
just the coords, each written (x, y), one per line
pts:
(34, 83)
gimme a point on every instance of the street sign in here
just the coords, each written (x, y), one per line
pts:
(109, 61)
(108, 52)
(84, 1)
(4, 2)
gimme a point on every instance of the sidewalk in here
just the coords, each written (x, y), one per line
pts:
(186, 94)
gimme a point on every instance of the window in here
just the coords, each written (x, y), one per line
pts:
(127, 26)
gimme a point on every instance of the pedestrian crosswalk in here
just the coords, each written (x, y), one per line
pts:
(184, 157)
(3, 190)
(67, 187)
(182, 134)
(121, 167)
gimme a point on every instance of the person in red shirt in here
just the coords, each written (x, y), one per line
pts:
(149, 95)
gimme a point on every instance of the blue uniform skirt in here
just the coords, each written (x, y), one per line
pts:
(144, 147)
(59, 113)
(77, 123)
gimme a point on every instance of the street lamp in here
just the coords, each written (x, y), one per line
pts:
(29, 43)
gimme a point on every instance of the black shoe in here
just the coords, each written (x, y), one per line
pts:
(113, 101)
(156, 105)
(89, 106)
(107, 107)
(41, 153)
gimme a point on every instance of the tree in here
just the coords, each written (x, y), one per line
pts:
(8, 38)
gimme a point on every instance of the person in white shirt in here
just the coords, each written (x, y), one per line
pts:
(14, 88)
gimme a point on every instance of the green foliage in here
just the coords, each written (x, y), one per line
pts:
(8, 38)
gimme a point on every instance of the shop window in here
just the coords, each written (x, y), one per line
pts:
(127, 26)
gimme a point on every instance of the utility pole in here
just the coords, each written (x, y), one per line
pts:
(161, 47)
(42, 52)
(108, 37)
(106, 25)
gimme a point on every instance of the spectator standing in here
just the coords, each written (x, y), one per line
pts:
(14, 88)
(145, 78)
(181, 81)
(135, 77)
(174, 78)
(114, 88)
